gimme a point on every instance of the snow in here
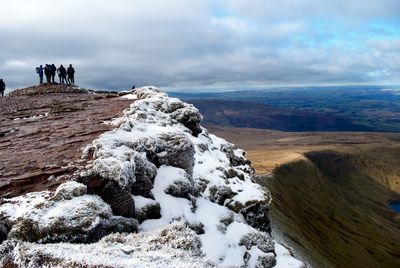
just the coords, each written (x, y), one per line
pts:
(119, 250)
(219, 246)
(141, 202)
(284, 259)
(129, 97)
(172, 208)
(22, 206)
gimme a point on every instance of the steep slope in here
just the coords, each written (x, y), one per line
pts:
(189, 194)
(333, 207)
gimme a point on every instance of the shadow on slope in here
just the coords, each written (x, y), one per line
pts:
(332, 206)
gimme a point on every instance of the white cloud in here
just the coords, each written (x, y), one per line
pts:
(173, 42)
(16, 64)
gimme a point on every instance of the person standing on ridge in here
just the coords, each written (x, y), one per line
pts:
(39, 71)
(62, 73)
(47, 73)
(71, 74)
(2, 87)
(52, 72)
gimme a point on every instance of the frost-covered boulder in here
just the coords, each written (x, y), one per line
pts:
(67, 215)
(115, 224)
(256, 215)
(220, 194)
(181, 186)
(69, 190)
(177, 151)
(146, 208)
(173, 246)
(190, 118)
(145, 173)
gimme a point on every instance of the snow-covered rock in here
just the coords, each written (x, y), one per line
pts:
(161, 168)
(67, 215)
(173, 246)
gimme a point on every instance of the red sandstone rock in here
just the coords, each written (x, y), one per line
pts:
(42, 134)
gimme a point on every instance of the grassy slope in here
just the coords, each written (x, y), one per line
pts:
(331, 207)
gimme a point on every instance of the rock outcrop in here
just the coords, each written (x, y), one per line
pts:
(158, 167)
(47, 88)
(70, 214)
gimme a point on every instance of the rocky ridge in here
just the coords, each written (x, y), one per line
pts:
(188, 194)
(42, 135)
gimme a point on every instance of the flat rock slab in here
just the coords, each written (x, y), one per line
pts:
(42, 136)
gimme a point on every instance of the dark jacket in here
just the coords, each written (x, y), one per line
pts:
(39, 70)
(71, 71)
(47, 70)
(2, 85)
(53, 69)
(62, 71)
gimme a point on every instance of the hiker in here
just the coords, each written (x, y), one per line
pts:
(52, 72)
(70, 74)
(47, 72)
(2, 87)
(39, 71)
(62, 73)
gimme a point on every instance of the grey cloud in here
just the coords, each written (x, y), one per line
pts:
(115, 44)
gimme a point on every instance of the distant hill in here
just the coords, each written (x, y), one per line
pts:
(339, 108)
(246, 114)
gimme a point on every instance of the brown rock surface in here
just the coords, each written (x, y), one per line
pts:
(42, 135)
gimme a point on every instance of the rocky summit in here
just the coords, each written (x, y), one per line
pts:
(109, 181)
(42, 134)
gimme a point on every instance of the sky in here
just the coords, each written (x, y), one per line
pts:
(114, 44)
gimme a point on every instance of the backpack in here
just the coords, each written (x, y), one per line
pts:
(37, 70)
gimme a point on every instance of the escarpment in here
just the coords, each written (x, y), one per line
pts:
(335, 206)
(181, 195)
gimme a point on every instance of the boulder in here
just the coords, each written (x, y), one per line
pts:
(39, 217)
(149, 210)
(119, 199)
(180, 188)
(256, 215)
(258, 239)
(145, 172)
(115, 224)
(178, 151)
(236, 157)
(221, 193)
(190, 117)
(69, 190)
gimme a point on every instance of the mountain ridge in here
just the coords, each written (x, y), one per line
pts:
(155, 167)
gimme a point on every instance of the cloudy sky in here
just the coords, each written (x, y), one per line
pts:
(203, 43)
